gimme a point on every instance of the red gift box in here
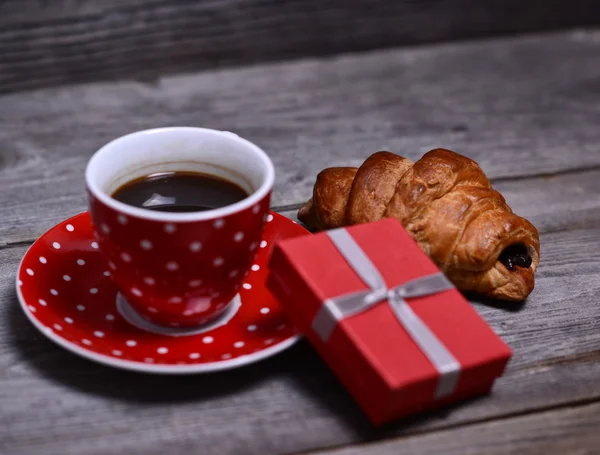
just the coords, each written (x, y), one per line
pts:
(400, 349)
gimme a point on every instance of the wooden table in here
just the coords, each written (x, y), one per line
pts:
(526, 108)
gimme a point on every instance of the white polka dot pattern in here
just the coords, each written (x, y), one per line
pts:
(218, 262)
(172, 266)
(146, 244)
(136, 292)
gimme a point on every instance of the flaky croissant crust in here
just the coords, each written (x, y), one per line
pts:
(446, 203)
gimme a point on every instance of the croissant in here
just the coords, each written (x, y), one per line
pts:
(448, 206)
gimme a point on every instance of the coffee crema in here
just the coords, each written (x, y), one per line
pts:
(179, 191)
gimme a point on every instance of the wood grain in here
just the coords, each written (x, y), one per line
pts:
(51, 401)
(44, 43)
(525, 108)
(495, 101)
(569, 430)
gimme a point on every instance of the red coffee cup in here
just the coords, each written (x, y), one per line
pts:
(179, 269)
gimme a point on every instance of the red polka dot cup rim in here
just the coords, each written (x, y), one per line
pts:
(67, 293)
(178, 148)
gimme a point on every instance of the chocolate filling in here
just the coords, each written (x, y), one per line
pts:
(515, 256)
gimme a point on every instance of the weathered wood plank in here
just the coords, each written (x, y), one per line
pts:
(495, 101)
(568, 430)
(52, 401)
(44, 43)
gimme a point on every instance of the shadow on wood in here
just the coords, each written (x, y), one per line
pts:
(511, 307)
(62, 366)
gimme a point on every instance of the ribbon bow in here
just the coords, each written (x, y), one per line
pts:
(338, 308)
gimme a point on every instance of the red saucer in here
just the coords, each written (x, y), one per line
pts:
(67, 293)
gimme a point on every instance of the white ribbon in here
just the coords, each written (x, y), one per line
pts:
(341, 307)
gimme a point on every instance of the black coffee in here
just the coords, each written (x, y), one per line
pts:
(179, 192)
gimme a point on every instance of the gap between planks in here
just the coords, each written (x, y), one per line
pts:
(481, 421)
(562, 172)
